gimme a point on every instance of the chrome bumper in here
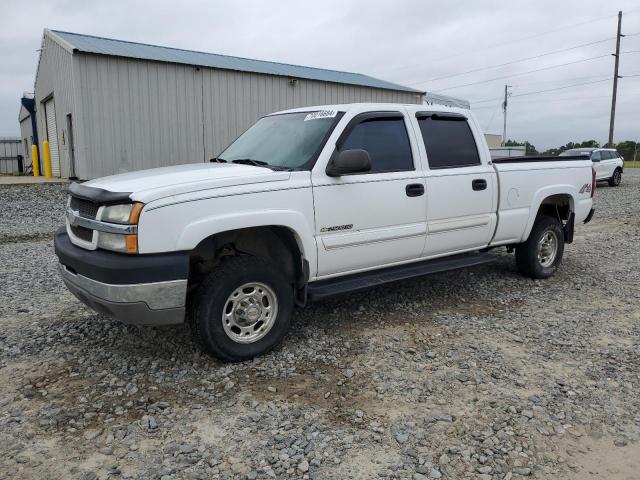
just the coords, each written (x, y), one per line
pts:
(157, 303)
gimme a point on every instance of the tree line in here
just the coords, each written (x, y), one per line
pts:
(627, 148)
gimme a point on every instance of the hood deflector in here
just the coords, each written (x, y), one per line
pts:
(98, 195)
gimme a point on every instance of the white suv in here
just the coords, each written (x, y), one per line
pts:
(607, 163)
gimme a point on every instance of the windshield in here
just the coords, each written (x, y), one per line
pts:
(288, 140)
(575, 151)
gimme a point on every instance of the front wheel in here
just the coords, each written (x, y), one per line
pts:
(616, 178)
(541, 255)
(242, 309)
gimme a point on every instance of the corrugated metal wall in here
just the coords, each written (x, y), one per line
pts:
(134, 114)
(26, 135)
(233, 101)
(10, 148)
(54, 77)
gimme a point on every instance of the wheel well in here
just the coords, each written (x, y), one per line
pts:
(276, 244)
(559, 206)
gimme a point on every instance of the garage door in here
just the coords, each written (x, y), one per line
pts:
(52, 136)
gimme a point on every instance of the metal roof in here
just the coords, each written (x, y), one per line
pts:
(120, 48)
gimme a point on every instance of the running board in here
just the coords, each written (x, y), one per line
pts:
(360, 281)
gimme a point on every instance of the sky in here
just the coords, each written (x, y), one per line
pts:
(411, 42)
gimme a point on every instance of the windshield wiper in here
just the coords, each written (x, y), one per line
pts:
(217, 160)
(250, 161)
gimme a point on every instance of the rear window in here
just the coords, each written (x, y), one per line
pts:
(575, 151)
(449, 142)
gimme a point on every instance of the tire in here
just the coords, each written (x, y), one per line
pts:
(529, 262)
(616, 178)
(226, 310)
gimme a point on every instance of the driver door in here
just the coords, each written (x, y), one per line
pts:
(377, 218)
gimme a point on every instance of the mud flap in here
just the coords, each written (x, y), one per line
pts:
(568, 228)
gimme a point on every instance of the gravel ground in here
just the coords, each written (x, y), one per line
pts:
(479, 374)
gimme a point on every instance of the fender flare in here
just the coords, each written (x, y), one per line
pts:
(541, 195)
(195, 232)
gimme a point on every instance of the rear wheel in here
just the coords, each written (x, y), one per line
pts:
(541, 255)
(616, 178)
(242, 309)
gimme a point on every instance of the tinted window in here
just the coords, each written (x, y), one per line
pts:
(449, 142)
(575, 151)
(596, 156)
(608, 155)
(386, 141)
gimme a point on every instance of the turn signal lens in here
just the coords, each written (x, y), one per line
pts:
(132, 244)
(135, 213)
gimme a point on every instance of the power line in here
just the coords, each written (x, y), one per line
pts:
(631, 51)
(561, 80)
(561, 88)
(545, 100)
(552, 100)
(554, 89)
(523, 73)
(492, 116)
(544, 91)
(514, 61)
(518, 40)
(522, 39)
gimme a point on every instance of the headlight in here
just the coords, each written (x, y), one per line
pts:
(117, 213)
(127, 213)
(118, 243)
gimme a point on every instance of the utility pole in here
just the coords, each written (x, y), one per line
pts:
(615, 80)
(504, 110)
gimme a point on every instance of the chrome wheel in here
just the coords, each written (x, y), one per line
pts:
(249, 312)
(547, 248)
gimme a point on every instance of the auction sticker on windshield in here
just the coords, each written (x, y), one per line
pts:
(321, 114)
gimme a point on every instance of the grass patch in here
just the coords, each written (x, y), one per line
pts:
(631, 164)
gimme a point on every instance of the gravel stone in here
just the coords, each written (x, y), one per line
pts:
(479, 373)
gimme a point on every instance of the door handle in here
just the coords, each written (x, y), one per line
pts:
(414, 189)
(479, 184)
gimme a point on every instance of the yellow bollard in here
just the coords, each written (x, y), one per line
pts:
(46, 155)
(34, 161)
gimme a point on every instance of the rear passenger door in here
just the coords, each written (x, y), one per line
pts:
(608, 163)
(375, 218)
(597, 158)
(461, 186)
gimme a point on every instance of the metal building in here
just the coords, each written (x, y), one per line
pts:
(26, 134)
(108, 106)
(11, 158)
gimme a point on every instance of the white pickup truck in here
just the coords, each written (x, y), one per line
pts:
(306, 204)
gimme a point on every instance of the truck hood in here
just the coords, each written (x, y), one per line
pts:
(148, 185)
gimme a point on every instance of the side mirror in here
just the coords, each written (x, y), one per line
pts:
(349, 161)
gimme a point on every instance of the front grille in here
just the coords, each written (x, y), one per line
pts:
(86, 208)
(82, 233)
